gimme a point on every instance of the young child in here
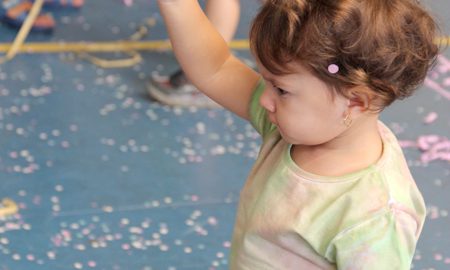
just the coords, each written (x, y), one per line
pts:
(175, 89)
(330, 188)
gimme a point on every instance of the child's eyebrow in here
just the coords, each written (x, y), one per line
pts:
(268, 77)
(273, 80)
(270, 80)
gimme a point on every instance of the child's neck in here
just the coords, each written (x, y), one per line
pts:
(355, 149)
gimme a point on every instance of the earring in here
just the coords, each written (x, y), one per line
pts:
(348, 120)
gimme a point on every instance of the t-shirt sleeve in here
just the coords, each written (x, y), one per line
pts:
(258, 115)
(384, 242)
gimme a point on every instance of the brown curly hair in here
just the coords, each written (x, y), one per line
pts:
(387, 46)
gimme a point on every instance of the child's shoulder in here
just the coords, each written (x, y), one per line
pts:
(387, 188)
(382, 193)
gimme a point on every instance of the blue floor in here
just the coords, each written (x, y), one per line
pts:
(105, 178)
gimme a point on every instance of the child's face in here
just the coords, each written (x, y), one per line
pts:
(302, 106)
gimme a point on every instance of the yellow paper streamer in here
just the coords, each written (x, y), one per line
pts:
(9, 207)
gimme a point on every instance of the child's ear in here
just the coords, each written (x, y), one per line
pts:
(360, 98)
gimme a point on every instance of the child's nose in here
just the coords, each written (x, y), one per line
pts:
(266, 100)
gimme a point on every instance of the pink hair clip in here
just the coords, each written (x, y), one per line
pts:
(333, 68)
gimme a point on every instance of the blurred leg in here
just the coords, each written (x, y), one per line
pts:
(175, 90)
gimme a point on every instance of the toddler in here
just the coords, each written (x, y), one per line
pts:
(330, 188)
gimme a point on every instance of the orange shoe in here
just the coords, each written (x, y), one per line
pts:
(15, 12)
(63, 3)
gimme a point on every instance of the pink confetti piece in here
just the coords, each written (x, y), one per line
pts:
(407, 144)
(13, 155)
(212, 221)
(57, 241)
(444, 64)
(442, 67)
(424, 142)
(428, 157)
(447, 81)
(128, 3)
(430, 118)
(433, 147)
(433, 213)
(433, 75)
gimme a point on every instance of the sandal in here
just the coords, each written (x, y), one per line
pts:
(175, 90)
(14, 13)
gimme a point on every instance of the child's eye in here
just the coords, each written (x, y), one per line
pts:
(280, 91)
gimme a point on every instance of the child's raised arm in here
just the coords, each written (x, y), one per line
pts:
(205, 56)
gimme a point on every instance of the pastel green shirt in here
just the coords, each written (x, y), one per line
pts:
(291, 219)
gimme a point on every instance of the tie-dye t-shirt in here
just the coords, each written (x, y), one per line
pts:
(289, 218)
